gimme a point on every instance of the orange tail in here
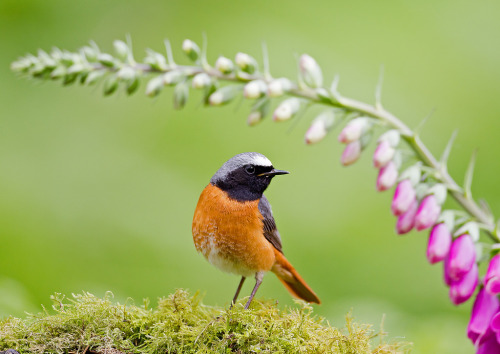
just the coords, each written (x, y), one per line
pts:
(292, 280)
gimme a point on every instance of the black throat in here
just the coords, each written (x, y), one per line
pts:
(243, 187)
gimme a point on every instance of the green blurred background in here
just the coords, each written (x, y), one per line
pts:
(98, 193)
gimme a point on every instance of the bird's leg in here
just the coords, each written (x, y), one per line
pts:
(237, 292)
(258, 281)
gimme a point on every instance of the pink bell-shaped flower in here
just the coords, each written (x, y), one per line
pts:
(428, 212)
(439, 243)
(404, 196)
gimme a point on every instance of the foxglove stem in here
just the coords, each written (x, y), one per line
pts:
(249, 72)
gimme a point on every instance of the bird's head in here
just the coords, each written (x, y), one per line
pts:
(245, 176)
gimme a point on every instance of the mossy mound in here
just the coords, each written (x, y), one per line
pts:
(182, 324)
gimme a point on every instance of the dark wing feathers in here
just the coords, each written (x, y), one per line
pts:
(270, 231)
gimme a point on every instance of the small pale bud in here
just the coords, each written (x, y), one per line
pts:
(387, 176)
(156, 60)
(201, 80)
(246, 63)
(154, 86)
(440, 192)
(383, 154)
(320, 127)
(224, 65)
(223, 95)
(391, 136)
(126, 73)
(172, 77)
(286, 109)
(191, 49)
(254, 89)
(278, 87)
(412, 173)
(310, 71)
(351, 153)
(110, 85)
(471, 228)
(106, 59)
(75, 69)
(404, 197)
(181, 94)
(354, 129)
(121, 48)
(254, 118)
(93, 76)
(89, 53)
(58, 72)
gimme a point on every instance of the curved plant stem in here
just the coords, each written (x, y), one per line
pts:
(336, 100)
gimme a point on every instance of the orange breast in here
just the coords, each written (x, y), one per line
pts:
(230, 233)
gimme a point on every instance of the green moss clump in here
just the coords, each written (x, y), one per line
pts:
(182, 324)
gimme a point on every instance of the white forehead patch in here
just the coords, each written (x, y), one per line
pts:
(261, 160)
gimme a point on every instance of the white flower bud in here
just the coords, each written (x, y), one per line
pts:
(191, 49)
(201, 80)
(254, 89)
(310, 71)
(254, 118)
(224, 65)
(246, 63)
(172, 77)
(412, 173)
(126, 73)
(154, 86)
(106, 59)
(286, 109)
(440, 192)
(279, 87)
(223, 95)
(391, 136)
(320, 127)
(121, 48)
(156, 60)
(354, 130)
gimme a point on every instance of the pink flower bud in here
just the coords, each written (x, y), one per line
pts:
(383, 154)
(439, 243)
(353, 130)
(404, 196)
(387, 176)
(428, 213)
(461, 290)
(492, 278)
(485, 306)
(461, 258)
(406, 221)
(351, 153)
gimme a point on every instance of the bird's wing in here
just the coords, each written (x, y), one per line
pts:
(270, 231)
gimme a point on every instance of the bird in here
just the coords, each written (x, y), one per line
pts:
(234, 228)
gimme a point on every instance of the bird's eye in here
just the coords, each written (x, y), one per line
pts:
(250, 169)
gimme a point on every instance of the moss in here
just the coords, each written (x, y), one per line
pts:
(182, 324)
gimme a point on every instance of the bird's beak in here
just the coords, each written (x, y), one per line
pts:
(274, 172)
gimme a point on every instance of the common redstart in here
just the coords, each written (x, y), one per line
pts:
(234, 228)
